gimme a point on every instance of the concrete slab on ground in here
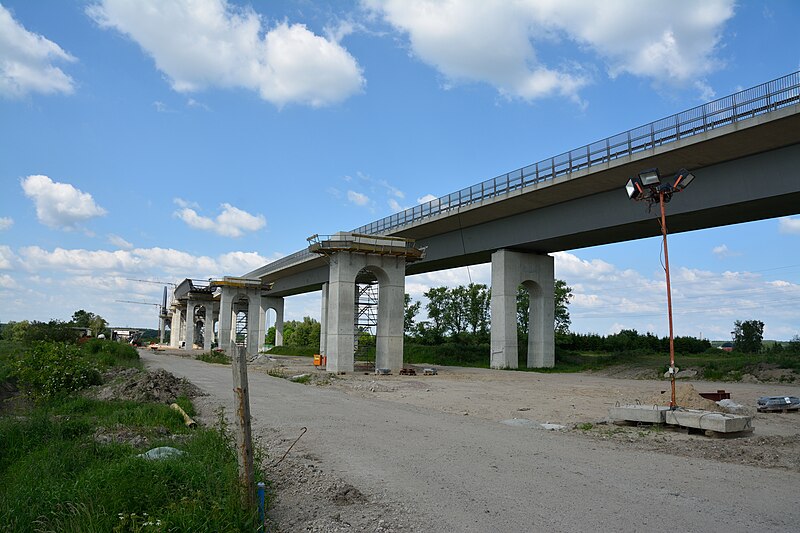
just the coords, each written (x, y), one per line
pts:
(709, 420)
(650, 414)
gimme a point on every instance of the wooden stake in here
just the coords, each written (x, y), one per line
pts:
(244, 441)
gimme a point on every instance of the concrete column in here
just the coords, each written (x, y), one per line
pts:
(323, 321)
(190, 324)
(225, 341)
(390, 271)
(175, 328)
(536, 273)
(208, 337)
(341, 295)
(277, 304)
(391, 304)
(256, 322)
(162, 328)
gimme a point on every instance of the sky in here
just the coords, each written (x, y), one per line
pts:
(164, 139)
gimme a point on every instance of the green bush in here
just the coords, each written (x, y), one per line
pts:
(214, 356)
(49, 369)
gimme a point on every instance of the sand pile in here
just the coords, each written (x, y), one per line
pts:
(685, 396)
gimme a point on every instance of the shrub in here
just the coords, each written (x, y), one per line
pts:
(50, 369)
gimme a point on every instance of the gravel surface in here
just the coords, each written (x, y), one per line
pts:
(431, 454)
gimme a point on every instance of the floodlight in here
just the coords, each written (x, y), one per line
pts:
(682, 179)
(650, 177)
(634, 188)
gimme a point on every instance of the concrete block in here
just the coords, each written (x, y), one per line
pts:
(651, 414)
(709, 420)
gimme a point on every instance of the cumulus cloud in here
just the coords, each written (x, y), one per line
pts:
(357, 198)
(496, 42)
(6, 222)
(789, 225)
(203, 44)
(26, 61)
(231, 222)
(723, 251)
(160, 261)
(7, 282)
(7, 257)
(60, 205)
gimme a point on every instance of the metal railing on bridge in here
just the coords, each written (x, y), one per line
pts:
(761, 99)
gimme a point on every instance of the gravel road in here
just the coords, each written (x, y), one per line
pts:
(368, 464)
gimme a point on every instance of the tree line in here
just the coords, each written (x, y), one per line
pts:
(54, 330)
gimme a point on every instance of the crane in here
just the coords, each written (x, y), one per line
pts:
(155, 281)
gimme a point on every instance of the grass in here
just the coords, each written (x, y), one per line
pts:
(216, 357)
(57, 477)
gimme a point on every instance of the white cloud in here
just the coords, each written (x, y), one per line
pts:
(723, 251)
(26, 61)
(395, 206)
(161, 261)
(789, 225)
(116, 240)
(242, 262)
(180, 202)
(60, 205)
(7, 282)
(6, 222)
(231, 222)
(210, 43)
(357, 198)
(425, 199)
(495, 41)
(7, 257)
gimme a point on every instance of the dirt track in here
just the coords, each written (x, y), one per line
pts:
(429, 453)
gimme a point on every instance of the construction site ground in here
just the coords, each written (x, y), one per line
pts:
(421, 453)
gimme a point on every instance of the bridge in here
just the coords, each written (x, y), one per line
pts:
(743, 148)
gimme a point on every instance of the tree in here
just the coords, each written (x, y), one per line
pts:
(409, 312)
(436, 308)
(562, 293)
(476, 304)
(747, 336)
(89, 320)
(305, 333)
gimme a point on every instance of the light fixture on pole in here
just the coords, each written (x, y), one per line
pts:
(649, 186)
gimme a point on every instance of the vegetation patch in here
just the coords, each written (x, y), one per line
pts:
(60, 474)
(215, 356)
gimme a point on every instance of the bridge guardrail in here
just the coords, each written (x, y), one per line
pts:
(758, 100)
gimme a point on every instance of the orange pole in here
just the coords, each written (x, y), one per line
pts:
(672, 404)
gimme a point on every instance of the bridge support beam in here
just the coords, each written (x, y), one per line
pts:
(275, 303)
(250, 301)
(175, 328)
(509, 271)
(191, 324)
(323, 321)
(208, 335)
(341, 297)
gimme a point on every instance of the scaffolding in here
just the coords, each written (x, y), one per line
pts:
(241, 328)
(366, 316)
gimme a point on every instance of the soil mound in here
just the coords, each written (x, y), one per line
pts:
(157, 386)
(685, 396)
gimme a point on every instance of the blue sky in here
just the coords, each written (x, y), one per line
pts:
(163, 139)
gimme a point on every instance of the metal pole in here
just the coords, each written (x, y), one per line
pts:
(244, 441)
(672, 404)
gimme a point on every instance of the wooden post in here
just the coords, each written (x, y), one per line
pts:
(244, 441)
